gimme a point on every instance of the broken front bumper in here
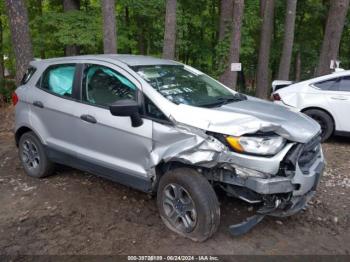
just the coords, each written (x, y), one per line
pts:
(287, 190)
(284, 196)
(299, 183)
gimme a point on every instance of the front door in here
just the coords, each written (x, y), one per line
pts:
(110, 142)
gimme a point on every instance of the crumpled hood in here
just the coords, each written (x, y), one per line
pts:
(247, 117)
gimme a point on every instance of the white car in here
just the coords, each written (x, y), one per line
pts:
(326, 99)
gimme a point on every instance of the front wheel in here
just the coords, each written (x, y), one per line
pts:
(188, 204)
(324, 120)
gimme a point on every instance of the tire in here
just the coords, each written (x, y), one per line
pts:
(324, 120)
(194, 194)
(33, 156)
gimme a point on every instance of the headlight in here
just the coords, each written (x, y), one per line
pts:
(265, 145)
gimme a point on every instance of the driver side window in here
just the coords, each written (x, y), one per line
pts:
(102, 86)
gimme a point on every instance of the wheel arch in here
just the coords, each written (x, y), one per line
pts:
(21, 131)
(320, 109)
(163, 167)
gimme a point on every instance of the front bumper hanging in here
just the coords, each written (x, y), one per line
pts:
(282, 207)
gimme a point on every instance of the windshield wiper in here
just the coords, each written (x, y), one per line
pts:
(222, 100)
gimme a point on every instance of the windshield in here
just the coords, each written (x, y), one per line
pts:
(185, 85)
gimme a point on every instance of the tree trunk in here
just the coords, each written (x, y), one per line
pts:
(334, 28)
(71, 5)
(288, 39)
(298, 67)
(170, 30)
(42, 45)
(2, 67)
(109, 27)
(20, 36)
(229, 78)
(127, 24)
(226, 12)
(262, 83)
(262, 7)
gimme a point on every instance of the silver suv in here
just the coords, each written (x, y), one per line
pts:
(164, 127)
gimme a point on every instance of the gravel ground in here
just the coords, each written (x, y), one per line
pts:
(73, 212)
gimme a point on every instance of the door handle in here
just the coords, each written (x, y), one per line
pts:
(339, 97)
(38, 104)
(88, 118)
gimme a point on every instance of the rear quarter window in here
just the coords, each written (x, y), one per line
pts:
(330, 84)
(28, 75)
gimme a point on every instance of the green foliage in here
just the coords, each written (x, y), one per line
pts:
(140, 30)
(6, 89)
(56, 30)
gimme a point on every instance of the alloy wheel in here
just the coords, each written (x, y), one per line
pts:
(30, 155)
(179, 207)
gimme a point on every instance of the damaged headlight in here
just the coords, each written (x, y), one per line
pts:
(264, 145)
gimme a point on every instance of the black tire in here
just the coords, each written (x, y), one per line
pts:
(39, 166)
(324, 120)
(206, 214)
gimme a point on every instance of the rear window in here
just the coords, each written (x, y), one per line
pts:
(28, 75)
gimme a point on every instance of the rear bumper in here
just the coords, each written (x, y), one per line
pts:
(282, 103)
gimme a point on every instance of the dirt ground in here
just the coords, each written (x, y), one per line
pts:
(73, 212)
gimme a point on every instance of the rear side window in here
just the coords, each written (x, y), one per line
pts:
(330, 84)
(28, 75)
(59, 79)
(344, 84)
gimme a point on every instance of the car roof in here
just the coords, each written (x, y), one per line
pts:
(130, 60)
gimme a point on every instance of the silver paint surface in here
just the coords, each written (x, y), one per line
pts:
(114, 143)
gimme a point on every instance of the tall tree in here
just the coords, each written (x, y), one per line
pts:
(71, 5)
(2, 67)
(262, 82)
(298, 67)
(262, 7)
(20, 35)
(226, 7)
(170, 30)
(42, 46)
(109, 27)
(229, 78)
(334, 28)
(288, 39)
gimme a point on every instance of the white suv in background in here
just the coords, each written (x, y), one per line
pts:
(326, 99)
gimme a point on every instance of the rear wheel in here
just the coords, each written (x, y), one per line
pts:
(324, 120)
(188, 204)
(33, 156)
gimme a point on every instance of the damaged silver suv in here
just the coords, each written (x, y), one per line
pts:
(163, 127)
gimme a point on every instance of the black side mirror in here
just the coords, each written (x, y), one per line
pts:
(127, 107)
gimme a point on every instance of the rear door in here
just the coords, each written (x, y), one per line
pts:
(340, 101)
(110, 142)
(52, 104)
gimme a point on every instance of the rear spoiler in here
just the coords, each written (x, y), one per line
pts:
(278, 84)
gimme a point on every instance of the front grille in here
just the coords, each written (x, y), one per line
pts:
(309, 154)
(303, 154)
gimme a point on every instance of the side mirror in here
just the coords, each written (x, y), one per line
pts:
(127, 107)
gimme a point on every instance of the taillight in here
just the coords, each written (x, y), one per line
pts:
(14, 98)
(276, 97)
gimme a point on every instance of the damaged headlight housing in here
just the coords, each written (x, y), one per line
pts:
(258, 145)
